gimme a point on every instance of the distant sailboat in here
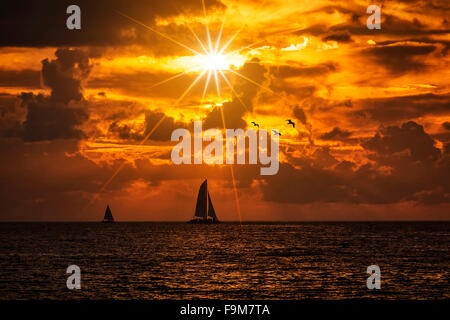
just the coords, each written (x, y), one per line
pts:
(108, 216)
(204, 210)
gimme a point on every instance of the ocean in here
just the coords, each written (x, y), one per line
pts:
(287, 261)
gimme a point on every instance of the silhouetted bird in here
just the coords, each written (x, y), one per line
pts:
(289, 121)
(255, 124)
(276, 132)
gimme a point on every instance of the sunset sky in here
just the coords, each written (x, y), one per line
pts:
(371, 107)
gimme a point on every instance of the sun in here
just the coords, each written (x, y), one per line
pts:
(211, 62)
(214, 62)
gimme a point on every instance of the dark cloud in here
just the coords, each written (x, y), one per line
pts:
(409, 137)
(399, 59)
(343, 37)
(296, 89)
(356, 23)
(125, 132)
(447, 149)
(300, 114)
(165, 128)
(446, 125)
(162, 133)
(296, 70)
(406, 167)
(142, 83)
(336, 134)
(12, 114)
(117, 110)
(64, 74)
(52, 117)
(398, 26)
(433, 196)
(445, 44)
(34, 23)
(306, 185)
(49, 120)
(47, 181)
(20, 78)
(346, 103)
(401, 108)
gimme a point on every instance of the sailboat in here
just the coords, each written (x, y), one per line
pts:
(108, 218)
(204, 210)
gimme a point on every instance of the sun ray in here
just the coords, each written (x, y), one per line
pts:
(180, 11)
(147, 136)
(169, 79)
(245, 47)
(207, 28)
(261, 41)
(206, 85)
(236, 195)
(217, 83)
(231, 40)
(234, 91)
(219, 36)
(239, 30)
(197, 38)
(261, 86)
(158, 32)
(190, 87)
(254, 82)
(124, 162)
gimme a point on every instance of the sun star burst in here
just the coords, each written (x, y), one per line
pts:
(214, 61)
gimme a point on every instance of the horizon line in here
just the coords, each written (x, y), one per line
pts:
(222, 221)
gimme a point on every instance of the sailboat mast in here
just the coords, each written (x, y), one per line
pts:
(206, 197)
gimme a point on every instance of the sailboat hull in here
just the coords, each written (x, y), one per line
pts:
(203, 221)
(107, 221)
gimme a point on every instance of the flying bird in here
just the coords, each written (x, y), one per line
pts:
(255, 124)
(276, 132)
(289, 121)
